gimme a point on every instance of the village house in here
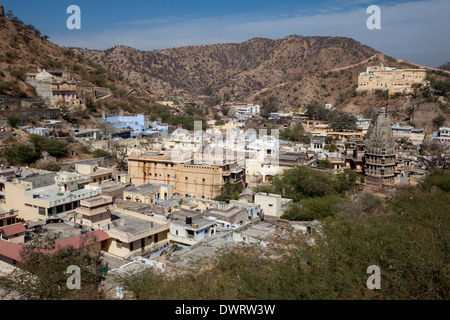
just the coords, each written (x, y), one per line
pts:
(272, 204)
(149, 193)
(13, 233)
(130, 233)
(94, 172)
(190, 227)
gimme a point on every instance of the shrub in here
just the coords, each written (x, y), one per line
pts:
(99, 153)
(13, 120)
(21, 154)
(53, 166)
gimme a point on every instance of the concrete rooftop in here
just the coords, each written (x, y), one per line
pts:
(133, 225)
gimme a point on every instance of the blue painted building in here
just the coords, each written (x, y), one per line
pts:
(138, 124)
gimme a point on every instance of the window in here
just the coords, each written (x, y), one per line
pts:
(204, 180)
(119, 244)
(131, 246)
(186, 178)
(42, 211)
(28, 205)
(271, 205)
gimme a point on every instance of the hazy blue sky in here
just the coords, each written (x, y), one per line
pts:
(416, 30)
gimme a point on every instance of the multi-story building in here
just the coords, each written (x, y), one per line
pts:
(189, 228)
(189, 180)
(444, 135)
(129, 233)
(391, 79)
(94, 212)
(34, 204)
(94, 172)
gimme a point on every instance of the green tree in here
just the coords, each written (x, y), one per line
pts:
(21, 154)
(409, 243)
(442, 88)
(313, 208)
(326, 164)
(296, 134)
(13, 120)
(53, 166)
(229, 191)
(439, 121)
(54, 148)
(42, 272)
(269, 106)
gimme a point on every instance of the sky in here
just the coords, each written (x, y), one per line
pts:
(416, 30)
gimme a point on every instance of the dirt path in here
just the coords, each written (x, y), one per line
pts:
(250, 98)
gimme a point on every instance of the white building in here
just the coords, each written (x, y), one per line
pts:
(444, 134)
(272, 204)
(190, 228)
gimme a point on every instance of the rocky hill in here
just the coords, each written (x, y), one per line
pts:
(293, 71)
(24, 49)
(235, 69)
(445, 66)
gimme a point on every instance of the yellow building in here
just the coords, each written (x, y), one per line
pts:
(42, 203)
(95, 212)
(7, 217)
(189, 180)
(149, 193)
(97, 174)
(391, 79)
(130, 233)
(134, 234)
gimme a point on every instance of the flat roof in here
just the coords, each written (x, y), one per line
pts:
(147, 189)
(133, 225)
(259, 229)
(198, 218)
(61, 230)
(226, 213)
(50, 193)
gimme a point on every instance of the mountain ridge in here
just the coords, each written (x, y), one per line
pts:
(239, 67)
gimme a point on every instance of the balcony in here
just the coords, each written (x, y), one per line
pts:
(8, 214)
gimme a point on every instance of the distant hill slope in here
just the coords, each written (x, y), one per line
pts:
(23, 49)
(445, 66)
(237, 68)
